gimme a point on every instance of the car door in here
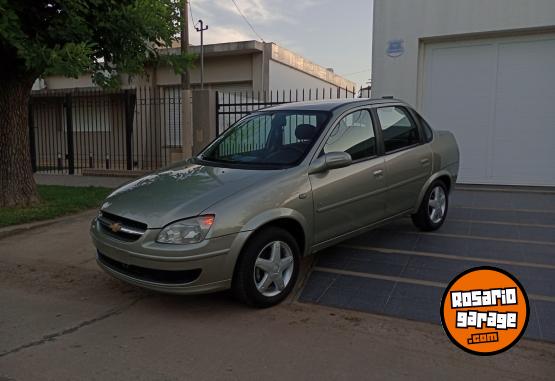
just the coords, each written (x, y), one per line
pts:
(349, 198)
(408, 159)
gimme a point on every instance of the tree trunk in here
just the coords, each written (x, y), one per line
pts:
(17, 186)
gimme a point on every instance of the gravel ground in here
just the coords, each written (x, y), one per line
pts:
(61, 318)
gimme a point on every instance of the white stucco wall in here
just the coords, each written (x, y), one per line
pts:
(283, 77)
(229, 69)
(415, 21)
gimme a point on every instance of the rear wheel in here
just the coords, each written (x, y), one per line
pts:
(433, 209)
(267, 269)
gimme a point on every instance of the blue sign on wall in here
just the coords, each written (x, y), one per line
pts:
(395, 48)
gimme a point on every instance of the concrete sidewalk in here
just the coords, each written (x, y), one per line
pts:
(81, 181)
(63, 319)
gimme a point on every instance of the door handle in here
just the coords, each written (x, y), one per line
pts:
(378, 173)
(425, 161)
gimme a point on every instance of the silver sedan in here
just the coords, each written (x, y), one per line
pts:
(280, 184)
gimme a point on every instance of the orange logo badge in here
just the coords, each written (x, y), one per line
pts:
(485, 311)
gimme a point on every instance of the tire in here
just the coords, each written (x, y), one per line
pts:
(258, 270)
(424, 219)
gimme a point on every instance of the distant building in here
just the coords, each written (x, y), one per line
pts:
(141, 126)
(234, 66)
(482, 69)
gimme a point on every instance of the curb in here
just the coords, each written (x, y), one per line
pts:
(504, 189)
(9, 231)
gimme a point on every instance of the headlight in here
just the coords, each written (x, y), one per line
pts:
(192, 230)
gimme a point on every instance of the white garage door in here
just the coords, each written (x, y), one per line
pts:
(498, 97)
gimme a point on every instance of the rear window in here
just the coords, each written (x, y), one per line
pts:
(427, 130)
(398, 130)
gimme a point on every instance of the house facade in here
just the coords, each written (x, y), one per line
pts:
(141, 126)
(481, 69)
(229, 67)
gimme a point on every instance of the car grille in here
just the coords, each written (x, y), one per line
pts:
(121, 227)
(150, 275)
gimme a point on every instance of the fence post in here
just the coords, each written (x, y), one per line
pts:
(32, 145)
(69, 135)
(129, 104)
(187, 123)
(217, 113)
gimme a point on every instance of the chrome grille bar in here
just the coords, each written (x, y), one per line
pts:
(108, 224)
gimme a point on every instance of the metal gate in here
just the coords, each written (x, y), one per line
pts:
(232, 106)
(97, 130)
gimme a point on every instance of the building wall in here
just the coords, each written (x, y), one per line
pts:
(217, 70)
(283, 77)
(59, 82)
(56, 82)
(248, 65)
(159, 130)
(419, 21)
(284, 56)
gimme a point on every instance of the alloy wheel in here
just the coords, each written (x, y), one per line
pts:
(437, 204)
(273, 268)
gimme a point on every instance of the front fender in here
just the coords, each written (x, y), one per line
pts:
(268, 216)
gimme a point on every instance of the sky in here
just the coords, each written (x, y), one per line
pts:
(331, 33)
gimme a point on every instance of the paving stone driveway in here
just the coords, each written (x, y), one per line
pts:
(402, 272)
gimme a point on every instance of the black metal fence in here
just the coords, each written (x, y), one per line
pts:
(89, 130)
(232, 106)
(72, 132)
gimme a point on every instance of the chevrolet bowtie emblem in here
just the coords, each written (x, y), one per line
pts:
(115, 227)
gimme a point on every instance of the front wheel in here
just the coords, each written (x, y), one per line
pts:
(267, 269)
(433, 209)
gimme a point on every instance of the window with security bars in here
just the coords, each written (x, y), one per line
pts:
(171, 109)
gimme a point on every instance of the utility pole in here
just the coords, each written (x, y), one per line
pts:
(185, 76)
(201, 29)
(187, 133)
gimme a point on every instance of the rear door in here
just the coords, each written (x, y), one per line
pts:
(408, 158)
(349, 198)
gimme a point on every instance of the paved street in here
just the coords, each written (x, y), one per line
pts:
(63, 319)
(399, 271)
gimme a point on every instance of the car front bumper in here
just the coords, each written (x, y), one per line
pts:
(179, 269)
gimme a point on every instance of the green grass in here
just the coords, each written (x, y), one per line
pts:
(56, 201)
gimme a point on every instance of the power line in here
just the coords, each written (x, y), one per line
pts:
(356, 72)
(191, 13)
(246, 20)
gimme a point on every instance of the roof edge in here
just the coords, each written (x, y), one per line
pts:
(296, 61)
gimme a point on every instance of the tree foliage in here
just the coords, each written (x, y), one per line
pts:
(101, 37)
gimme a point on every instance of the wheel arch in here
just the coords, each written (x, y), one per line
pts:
(442, 175)
(288, 219)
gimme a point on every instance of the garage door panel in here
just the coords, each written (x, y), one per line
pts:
(498, 98)
(524, 143)
(467, 117)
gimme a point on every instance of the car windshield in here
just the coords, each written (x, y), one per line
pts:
(272, 138)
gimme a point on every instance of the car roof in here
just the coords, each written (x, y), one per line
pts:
(330, 105)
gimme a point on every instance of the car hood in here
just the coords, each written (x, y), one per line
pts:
(179, 192)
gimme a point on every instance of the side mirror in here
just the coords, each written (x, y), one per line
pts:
(329, 161)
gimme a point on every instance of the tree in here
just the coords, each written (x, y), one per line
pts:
(71, 37)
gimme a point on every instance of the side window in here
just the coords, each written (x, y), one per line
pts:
(354, 134)
(398, 129)
(428, 134)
